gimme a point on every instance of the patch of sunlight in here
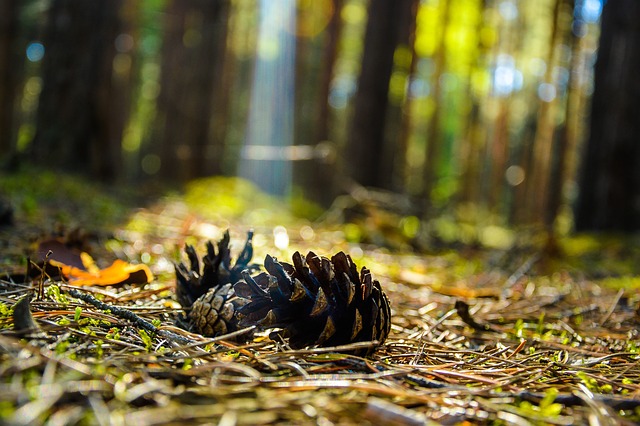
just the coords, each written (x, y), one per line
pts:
(410, 226)
(579, 245)
(352, 233)
(625, 282)
(230, 197)
(280, 237)
(354, 12)
(496, 237)
(446, 228)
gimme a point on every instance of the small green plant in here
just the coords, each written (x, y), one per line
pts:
(5, 310)
(589, 382)
(113, 334)
(99, 350)
(53, 293)
(62, 347)
(518, 328)
(146, 339)
(78, 313)
(540, 326)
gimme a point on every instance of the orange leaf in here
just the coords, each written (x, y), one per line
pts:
(120, 272)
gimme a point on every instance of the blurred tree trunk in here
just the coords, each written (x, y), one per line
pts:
(399, 117)
(10, 73)
(475, 132)
(192, 62)
(538, 184)
(609, 193)
(325, 188)
(333, 32)
(562, 167)
(366, 161)
(74, 131)
(308, 57)
(434, 134)
(126, 79)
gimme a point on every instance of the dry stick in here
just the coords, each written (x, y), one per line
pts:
(128, 315)
(612, 308)
(519, 273)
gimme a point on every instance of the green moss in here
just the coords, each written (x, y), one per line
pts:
(625, 282)
(227, 198)
(68, 200)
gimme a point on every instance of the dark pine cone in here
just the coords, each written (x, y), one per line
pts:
(316, 301)
(208, 296)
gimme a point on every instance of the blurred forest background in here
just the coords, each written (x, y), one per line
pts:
(521, 113)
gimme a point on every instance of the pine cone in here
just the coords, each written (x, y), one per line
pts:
(215, 313)
(209, 297)
(316, 301)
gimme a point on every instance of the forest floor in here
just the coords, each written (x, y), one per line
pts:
(501, 333)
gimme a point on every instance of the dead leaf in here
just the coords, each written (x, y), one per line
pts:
(120, 272)
(80, 269)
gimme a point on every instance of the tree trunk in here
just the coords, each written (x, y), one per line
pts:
(191, 64)
(563, 166)
(537, 185)
(10, 70)
(434, 134)
(332, 34)
(74, 131)
(366, 162)
(325, 187)
(398, 115)
(609, 197)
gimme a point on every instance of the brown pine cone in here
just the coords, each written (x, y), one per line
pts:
(208, 297)
(316, 301)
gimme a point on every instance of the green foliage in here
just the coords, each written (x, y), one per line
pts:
(147, 340)
(53, 293)
(62, 347)
(592, 384)
(5, 310)
(518, 328)
(38, 195)
(225, 198)
(302, 207)
(99, 349)
(546, 408)
(113, 334)
(187, 364)
(78, 312)
(624, 282)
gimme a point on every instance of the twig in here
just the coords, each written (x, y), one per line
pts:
(462, 309)
(519, 273)
(612, 308)
(130, 316)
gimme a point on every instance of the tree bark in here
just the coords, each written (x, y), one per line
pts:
(10, 70)
(609, 189)
(366, 162)
(434, 133)
(398, 115)
(192, 58)
(74, 131)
